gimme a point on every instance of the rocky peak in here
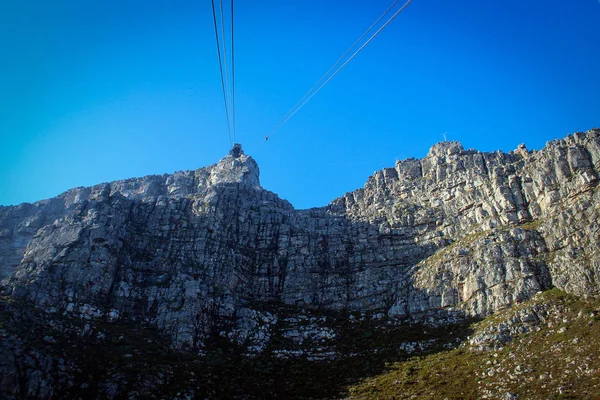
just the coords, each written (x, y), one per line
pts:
(445, 149)
(456, 230)
(236, 167)
(203, 254)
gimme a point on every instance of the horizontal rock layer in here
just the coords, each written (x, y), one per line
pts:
(201, 251)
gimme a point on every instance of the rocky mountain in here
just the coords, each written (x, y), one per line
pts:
(207, 259)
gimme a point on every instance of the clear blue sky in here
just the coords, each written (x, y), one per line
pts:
(94, 91)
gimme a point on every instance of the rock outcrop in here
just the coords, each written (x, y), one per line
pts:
(205, 251)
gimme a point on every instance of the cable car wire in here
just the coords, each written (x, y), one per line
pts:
(321, 83)
(225, 56)
(339, 60)
(223, 75)
(233, 71)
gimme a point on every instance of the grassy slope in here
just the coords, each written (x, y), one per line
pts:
(558, 356)
(558, 359)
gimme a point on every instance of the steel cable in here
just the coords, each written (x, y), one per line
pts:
(320, 84)
(223, 86)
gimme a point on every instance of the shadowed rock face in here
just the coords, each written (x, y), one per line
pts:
(198, 251)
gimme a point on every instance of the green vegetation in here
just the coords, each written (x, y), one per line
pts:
(531, 225)
(557, 359)
(138, 359)
(556, 356)
(443, 375)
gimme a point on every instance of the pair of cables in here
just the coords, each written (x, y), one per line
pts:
(391, 13)
(224, 35)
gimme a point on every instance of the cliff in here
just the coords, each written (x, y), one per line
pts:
(457, 234)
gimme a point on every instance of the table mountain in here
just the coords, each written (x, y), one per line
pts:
(209, 253)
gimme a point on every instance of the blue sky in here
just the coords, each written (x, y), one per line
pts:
(94, 91)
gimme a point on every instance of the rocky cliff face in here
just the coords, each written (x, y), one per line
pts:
(203, 251)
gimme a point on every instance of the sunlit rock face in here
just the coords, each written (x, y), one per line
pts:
(204, 251)
(230, 169)
(18, 224)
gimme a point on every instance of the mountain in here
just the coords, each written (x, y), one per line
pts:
(209, 265)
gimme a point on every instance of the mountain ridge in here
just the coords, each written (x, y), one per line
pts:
(456, 235)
